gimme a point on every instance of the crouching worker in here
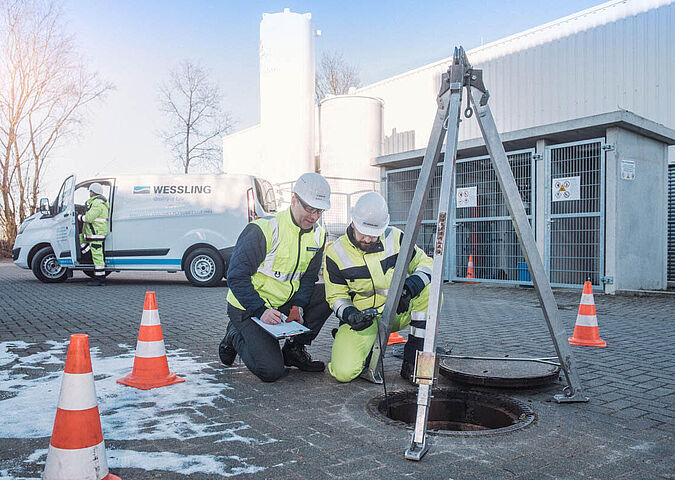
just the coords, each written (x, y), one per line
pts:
(358, 272)
(274, 270)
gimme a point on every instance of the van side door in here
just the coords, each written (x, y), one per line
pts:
(64, 241)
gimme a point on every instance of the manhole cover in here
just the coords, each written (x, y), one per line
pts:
(499, 373)
(455, 413)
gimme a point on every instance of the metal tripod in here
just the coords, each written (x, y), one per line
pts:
(461, 75)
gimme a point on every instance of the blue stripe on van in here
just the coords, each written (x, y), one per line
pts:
(144, 261)
(65, 261)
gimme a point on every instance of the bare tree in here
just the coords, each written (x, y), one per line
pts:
(44, 88)
(195, 119)
(335, 76)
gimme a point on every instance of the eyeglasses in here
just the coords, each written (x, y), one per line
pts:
(308, 209)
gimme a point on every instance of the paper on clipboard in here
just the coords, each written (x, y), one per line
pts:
(283, 329)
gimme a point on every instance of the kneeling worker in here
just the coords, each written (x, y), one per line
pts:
(274, 270)
(358, 272)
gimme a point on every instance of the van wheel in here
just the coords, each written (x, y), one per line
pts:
(46, 268)
(204, 267)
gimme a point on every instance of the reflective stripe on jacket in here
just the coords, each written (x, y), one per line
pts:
(362, 279)
(96, 218)
(288, 253)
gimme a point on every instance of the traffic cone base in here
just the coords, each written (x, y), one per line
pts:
(151, 367)
(76, 448)
(395, 338)
(141, 383)
(586, 332)
(586, 343)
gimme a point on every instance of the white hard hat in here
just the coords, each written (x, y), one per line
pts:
(370, 215)
(96, 188)
(314, 190)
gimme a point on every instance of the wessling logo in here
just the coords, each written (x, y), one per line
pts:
(173, 189)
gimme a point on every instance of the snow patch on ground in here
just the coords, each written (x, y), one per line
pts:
(225, 466)
(30, 382)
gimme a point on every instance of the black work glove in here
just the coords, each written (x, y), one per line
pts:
(357, 319)
(404, 301)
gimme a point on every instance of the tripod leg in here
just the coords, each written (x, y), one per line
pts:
(425, 364)
(374, 371)
(573, 392)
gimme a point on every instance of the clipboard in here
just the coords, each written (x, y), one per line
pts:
(283, 329)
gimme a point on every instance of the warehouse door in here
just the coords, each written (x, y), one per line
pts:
(575, 212)
(487, 247)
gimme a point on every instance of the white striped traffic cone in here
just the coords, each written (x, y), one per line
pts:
(77, 449)
(586, 330)
(151, 367)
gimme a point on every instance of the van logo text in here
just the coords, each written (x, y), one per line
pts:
(174, 189)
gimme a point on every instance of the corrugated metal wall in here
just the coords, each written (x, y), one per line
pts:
(671, 222)
(619, 55)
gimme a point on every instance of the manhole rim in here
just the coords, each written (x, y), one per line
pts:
(529, 414)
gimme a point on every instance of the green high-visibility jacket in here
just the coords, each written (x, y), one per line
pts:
(362, 279)
(96, 218)
(288, 252)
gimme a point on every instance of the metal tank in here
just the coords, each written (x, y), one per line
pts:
(351, 136)
(287, 95)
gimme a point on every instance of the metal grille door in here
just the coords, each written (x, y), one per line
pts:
(575, 212)
(487, 247)
(671, 223)
(401, 185)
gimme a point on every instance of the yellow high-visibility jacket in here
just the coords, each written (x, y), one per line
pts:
(288, 252)
(362, 279)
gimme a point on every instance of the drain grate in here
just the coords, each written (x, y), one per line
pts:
(454, 412)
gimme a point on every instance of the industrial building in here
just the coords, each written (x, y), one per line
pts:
(585, 106)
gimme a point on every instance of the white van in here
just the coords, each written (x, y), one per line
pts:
(157, 222)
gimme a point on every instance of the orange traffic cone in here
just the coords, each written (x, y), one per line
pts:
(469, 269)
(77, 449)
(151, 368)
(395, 338)
(586, 331)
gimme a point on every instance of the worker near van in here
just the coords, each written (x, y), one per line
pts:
(94, 231)
(358, 273)
(274, 272)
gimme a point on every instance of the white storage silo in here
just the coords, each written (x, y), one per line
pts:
(351, 136)
(287, 95)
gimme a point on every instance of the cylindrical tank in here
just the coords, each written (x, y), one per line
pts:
(287, 95)
(351, 136)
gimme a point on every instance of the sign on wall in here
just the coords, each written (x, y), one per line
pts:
(467, 197)
(566, 188)
(628, 169)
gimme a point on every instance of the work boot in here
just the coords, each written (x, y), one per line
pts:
(295, 355)
(407, 371)
(226, 350)
(96, 282)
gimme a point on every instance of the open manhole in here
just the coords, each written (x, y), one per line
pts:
(455, 412)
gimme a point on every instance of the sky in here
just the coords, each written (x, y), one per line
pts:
(134, 44)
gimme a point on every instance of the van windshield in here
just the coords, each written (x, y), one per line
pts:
(265, 194)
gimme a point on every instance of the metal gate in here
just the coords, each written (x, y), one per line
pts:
(575, 206)
(671, 222)
(483, 232)
(401, 185)
(486, 245)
